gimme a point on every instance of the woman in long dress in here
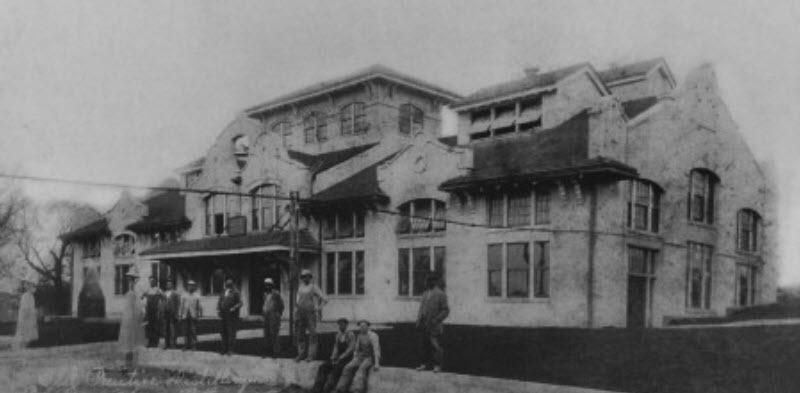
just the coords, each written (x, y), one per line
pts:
(131, 327)
(27, 326)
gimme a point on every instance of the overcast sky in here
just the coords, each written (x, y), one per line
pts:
(126, 91)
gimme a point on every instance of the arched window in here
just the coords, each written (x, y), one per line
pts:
(422, 215)
(241, 146)
(315, 128)
(124, 245)
(284, 129)
(411, 119)
(353, 119)
(702, 188)
(264, 213)
(747, 230)
(644, 199)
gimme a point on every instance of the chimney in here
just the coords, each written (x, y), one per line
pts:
(532, 71)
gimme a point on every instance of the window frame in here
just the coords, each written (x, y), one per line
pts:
(121, 282)
(437, 214)
(702, 187)
(356, 280)
(92, 248)
(409, 273)
(212, 214)
(543, 267)
(409, 116)
(704, 254)
(752, 272)
(500, 209)
(315, 128)
(352, 119)
(258, 205)
(652, 207)
(751, 242)
(284, 129)
(358, 220)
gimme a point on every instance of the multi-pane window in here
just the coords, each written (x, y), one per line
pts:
(422, 216)
(91, 248)
(343, 225)
(699, 276)
(284, 129)
(264, 207)
(747, 223)
(702, 185)
(212, 281)
(513, 209)
(124, 245)
(163, 273)
(315, 128)
(644, 199)
(353, 119)
(344, 273)
(510, 270)
(411, 119)
(216, 214)
(121, 282)
(415, 264)
(746, 279)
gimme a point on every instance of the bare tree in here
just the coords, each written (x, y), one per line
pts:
(12, 205)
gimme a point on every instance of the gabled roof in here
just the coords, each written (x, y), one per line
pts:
(552, 153)
(95, 228)
(633, 108)
(322, 162)
(529, 82)
(362, 185)
(229, 245)
(376, 71)
(632, 70)
(164, 210)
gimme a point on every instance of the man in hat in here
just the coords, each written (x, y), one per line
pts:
(153, 312)
(172, 304)
(228, 310)
(131, 332)
(272, 311)
(433, 309)
(309, 304)
(190, 311)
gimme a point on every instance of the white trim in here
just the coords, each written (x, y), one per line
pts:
(192, 254)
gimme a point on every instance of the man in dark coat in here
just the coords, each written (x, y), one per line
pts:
(172, 305)
(228, 310)
(272, 312)
(433, 309)
(153, 313)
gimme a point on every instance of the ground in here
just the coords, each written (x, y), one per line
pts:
(716, 359)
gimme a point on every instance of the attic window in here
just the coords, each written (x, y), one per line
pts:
(241, 145)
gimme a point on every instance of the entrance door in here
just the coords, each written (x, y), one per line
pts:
(637, 301)
(260, 271)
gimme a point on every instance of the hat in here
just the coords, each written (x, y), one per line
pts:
(306, 272)
(268, 281)
(191, 282)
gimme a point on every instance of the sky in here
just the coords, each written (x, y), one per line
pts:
(127, 91)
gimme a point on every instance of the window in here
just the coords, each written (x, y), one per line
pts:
(414, 265)
(124, 246)
(353, 119)
(212, 281)
(344, 273)
(315, 128)
(513, 209)
(422, 216)
(542, 213)
(519, 208)
(121, 282)
(699, 276)
(747, 223)
(644, 199)
(191, 178)
(701, 196)
(523, 115)
(163, 273)
(91, 248)
(746, 279)
(216, 214)
(641, 281)
(284, 129)
(510, 270)
(241, 145)
(346, 224)
(411, 119)
(264, 213)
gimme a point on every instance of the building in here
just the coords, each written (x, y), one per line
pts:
(573, 197)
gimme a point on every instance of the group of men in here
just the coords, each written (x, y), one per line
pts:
(354, 354)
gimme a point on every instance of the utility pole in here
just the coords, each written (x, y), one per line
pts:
(293, 260)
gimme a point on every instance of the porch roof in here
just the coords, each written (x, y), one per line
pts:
(231, 245)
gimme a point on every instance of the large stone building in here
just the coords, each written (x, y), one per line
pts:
(573, 197)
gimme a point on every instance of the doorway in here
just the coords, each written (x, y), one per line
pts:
(641, 277)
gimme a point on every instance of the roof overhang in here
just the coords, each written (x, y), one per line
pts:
(215, 253)
(504, 98)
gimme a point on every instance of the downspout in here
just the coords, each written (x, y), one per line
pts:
(592, 245)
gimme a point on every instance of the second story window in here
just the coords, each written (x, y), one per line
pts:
(284, 129)
(315, 128)
(643, 206)
(215, 217)
(91, 248)
(702, 184)
(513, 209)
(411, 119)
(264, 207)
(124, 246)
(422, 216)
(353, 119)
(343, 225)
(747, 223)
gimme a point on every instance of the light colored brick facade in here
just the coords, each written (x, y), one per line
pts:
(627, 123)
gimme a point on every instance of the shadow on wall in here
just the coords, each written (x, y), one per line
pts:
(91, 302)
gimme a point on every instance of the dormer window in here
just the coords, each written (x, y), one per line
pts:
(353, 119)
(315, 128)
(411, 119)
(524, 115)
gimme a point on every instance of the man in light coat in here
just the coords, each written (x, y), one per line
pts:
(190, 311)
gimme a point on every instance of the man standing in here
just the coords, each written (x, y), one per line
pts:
(272, 311)
(172, 304)
(189, 312)
(228, 311)
(433, 309)
(153, 312)
(309, 304)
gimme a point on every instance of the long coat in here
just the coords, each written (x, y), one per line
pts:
(27, 327)
(131, 327)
